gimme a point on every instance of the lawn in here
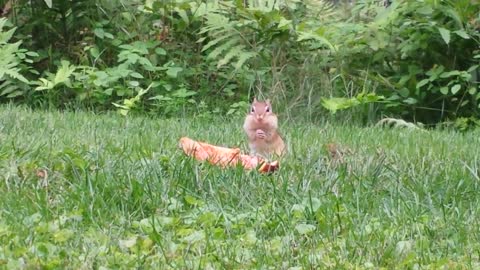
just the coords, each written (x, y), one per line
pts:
(87, 191)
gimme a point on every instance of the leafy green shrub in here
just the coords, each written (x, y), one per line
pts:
(189, 55)
(55, 29)
(14, 61)
(421, 55)
(98, 54)
(416, 60)
(263, 45)
(126, 79)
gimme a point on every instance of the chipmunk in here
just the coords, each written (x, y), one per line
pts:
(261, 126)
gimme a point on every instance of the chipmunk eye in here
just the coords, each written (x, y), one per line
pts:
(252, 110)
(267, 109)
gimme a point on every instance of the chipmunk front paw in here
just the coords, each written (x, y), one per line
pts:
(260, 134)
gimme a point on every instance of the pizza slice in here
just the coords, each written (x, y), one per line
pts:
(223, 156)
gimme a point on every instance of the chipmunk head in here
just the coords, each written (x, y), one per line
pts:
(261, 109)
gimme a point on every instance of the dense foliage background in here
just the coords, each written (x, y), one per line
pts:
(415, 60)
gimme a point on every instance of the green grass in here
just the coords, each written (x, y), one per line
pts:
(120, 194)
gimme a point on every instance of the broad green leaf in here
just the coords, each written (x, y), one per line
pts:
(300, 208)
(94, 52)
(284, 23)
(250, 237)
(422, 83)
(456, 88)
(445, 33)
(108, 35)
(134, 83)
(410, 101)
(149, 4)
(312, 203)
(32, 54)
(192, 200)
(472, 68)
(148, 224)
(194, 237)
(136, 75)
(472, 91)
(335, 104)
(49, 3)
(435, 72)
(462, 34)
(33, 219)
(99, 33)
(63, 235)
(444, 90)
(207, 218)
(128, 243)
(173, 71)
(43, 249)
(146, 245)
(183, 93)
(403, 247)
(160, 51)
(374, 44)
(304, 228)
(404, 92)
(450, 74)
(183, 14)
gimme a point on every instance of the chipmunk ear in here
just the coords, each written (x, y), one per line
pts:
(255, 99)
(268, 101)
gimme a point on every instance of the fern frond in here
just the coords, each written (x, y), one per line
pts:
(217, 40)
(225, 46)
(2, 23)
(321, 10)
(243, 57)
(8, 52)
(64, 72)
(6, 36)
(14, 73)
(230, 37)
(234, 51)
(264, 5)
(10, 89)
(7, 87)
